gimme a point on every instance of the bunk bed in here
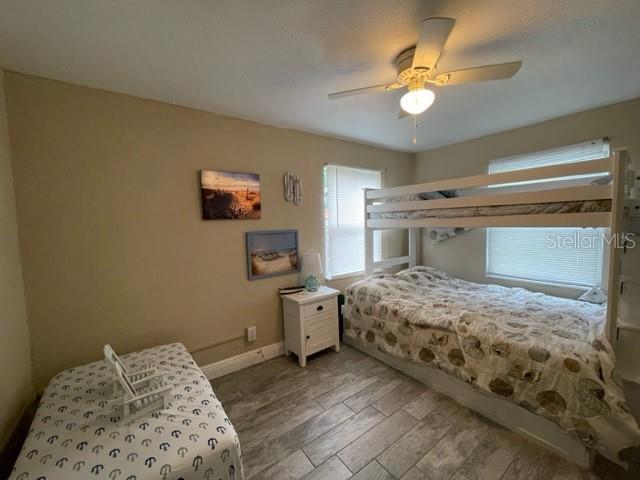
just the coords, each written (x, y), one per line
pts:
(539, 365)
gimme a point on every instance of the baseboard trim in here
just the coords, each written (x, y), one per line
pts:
(244, 360)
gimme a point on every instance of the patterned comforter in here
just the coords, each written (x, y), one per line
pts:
(75, 434)
(546, 354)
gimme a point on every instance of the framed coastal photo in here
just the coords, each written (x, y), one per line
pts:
(271, 253)
(229, 195)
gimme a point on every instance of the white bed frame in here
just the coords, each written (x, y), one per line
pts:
(535, 427)
(538, 429)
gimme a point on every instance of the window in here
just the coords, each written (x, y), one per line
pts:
(344, 219)
(569, 256)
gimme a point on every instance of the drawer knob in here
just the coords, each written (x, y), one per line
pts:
(308, 337)
(319, 308)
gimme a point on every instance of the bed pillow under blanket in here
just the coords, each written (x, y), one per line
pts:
(546, 354)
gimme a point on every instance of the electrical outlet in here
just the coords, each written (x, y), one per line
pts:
(251, 334)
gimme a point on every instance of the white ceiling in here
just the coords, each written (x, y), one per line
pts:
(275, 61)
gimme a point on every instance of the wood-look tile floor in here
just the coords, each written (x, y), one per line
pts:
(347, 415)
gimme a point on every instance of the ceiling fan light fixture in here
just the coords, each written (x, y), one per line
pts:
(417, 100)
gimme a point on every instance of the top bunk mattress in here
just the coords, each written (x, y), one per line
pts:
(587, 206)
(546, 354)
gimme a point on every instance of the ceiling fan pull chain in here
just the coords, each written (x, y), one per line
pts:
(415, 129)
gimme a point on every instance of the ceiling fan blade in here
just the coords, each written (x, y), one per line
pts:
(479, 74)
(433, 35)
(357, 91)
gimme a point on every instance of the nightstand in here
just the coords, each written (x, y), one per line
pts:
(310, 322)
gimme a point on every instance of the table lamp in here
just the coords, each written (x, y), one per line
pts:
(310, 271)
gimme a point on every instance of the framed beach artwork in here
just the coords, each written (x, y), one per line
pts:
(271, 253)
(229, 195)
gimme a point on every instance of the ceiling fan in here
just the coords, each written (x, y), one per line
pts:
(418, 66)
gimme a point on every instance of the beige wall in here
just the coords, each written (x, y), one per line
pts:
(113, 245)
(15, 351)
(464, 255)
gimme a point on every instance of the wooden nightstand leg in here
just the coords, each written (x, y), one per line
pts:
(336, 347)
(302, 360)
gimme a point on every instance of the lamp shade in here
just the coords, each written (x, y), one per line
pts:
(310, 264)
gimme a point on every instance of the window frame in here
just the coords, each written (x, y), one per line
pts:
(568, 285)
(383, 234)
(515, 186)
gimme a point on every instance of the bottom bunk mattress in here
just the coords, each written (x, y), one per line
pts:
(546, 354)
(76, 435)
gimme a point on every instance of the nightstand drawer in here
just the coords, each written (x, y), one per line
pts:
(320, 308)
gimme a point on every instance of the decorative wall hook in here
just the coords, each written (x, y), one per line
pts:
(292, 188)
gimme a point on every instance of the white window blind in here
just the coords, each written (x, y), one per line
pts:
(344, 219)
(570, 256)
(580, 152)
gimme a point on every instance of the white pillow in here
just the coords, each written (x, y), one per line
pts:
(594, 295)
